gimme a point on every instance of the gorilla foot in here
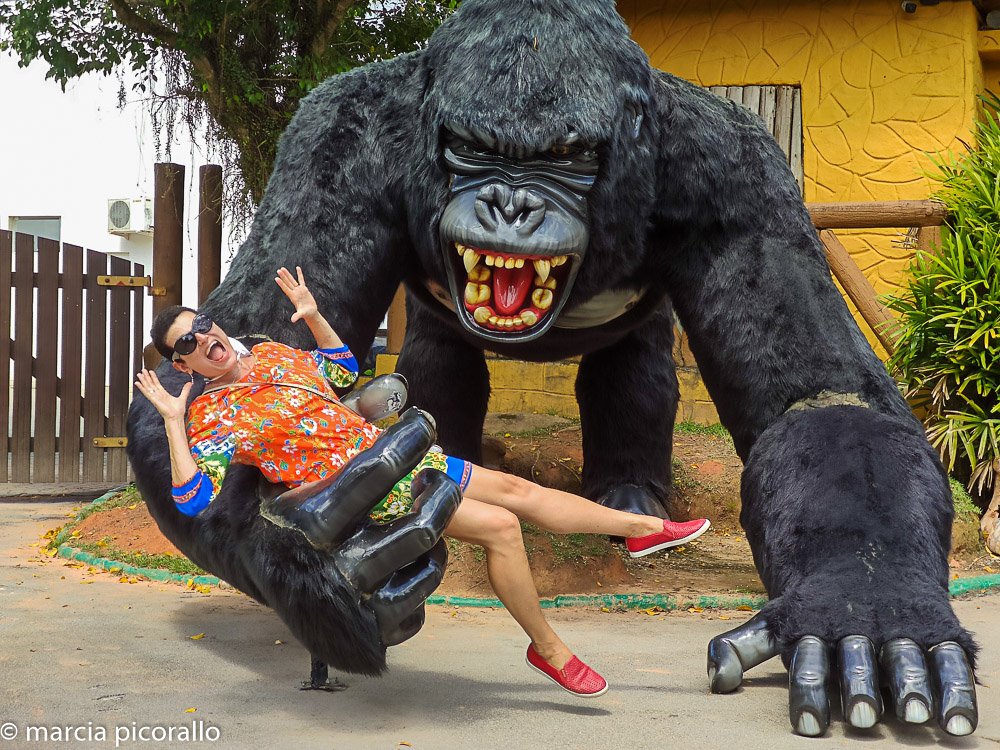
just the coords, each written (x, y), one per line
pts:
(917, 682)
(633, 499)
(319, 678)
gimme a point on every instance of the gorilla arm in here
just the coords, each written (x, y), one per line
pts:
(333, 207)
(846, 507)
(352, 589)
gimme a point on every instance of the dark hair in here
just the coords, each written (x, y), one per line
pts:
(161, 324)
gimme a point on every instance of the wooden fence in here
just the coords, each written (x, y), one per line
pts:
(76, 318)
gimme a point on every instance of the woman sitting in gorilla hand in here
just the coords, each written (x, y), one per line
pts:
(273, 407)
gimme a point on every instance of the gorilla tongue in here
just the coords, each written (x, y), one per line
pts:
(510, 288)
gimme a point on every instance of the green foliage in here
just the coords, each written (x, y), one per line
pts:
(241, 66)
(946, 358)
(962, 502)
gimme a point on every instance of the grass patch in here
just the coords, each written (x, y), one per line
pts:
(694, 428)
(164, 561)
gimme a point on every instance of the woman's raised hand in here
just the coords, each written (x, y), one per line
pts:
(170, 407)
(297, 292)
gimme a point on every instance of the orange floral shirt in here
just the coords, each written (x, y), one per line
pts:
(269, 420)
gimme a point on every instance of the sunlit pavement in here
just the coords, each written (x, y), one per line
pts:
(89, 660)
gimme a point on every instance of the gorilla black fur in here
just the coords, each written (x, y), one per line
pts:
(693, 206)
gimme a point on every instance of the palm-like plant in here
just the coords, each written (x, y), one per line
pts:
(946, 356)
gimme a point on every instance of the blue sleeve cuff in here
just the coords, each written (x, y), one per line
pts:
(341, 356)
(192, 497)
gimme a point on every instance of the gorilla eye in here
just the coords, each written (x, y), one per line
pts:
(563, 150)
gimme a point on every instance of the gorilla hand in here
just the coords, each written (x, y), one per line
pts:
(917, 680)
(393, 567)
(848, 513)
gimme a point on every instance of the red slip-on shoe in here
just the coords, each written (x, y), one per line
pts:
(673, 535)
(576, 677)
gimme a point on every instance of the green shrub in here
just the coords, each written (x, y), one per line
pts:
(946, 357)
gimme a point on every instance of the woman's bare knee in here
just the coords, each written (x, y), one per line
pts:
(501, 529)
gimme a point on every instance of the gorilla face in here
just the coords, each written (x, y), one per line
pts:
(514, 231)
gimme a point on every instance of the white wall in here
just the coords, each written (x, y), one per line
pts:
(66, 153)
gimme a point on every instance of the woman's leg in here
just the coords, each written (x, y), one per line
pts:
(499, 533)
(554, 510)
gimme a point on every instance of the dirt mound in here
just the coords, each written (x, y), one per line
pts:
(548, 450)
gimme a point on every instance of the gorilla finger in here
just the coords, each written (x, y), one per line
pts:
(859, 690)
(808, 673)
(329, 511)
(404, 630)
(955, 687)
(378, 398)
(732, 653)
(399, 604)
(904, 670)
(372, 555)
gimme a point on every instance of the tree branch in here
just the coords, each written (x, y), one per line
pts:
(329, 18)
(130, 17)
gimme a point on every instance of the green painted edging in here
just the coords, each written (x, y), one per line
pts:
(155, 574)
(665, 602)
(957, 587)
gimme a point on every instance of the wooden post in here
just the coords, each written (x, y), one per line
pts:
(168, 242)
(396, 323)
(860, 291)
(168, 235)
(209, 229)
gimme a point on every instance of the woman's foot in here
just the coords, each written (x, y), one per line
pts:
(574, 677)
(673, 535)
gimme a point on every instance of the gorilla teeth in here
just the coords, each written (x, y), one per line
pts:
(481, 315)
(542, 298)
(542, 268)
(511, 262)
(476, 293)
(529, 318)
(550, 284)
(470, 258)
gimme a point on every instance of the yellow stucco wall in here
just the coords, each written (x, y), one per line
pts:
(880, 88)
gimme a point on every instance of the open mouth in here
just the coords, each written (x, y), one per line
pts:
(511, 293)
(216, 352)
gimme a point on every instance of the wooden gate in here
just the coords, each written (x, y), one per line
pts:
(75, 319)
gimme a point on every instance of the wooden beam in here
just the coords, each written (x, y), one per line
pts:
(880, 214)
(860, 290)
(396, 322)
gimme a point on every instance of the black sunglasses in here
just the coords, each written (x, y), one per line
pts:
(186, 344)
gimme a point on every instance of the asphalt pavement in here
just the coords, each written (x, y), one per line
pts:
(87, 661)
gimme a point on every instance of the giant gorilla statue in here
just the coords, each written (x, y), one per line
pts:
(543, 192)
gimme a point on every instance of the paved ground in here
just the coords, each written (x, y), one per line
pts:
(84, 653)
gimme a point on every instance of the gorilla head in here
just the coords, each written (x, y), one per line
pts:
(528, 141)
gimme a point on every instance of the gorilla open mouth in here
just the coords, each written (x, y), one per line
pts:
(510, 293)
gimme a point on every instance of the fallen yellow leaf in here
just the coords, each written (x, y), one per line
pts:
(190, 710)
(695, 609)
(745, 608)
(197, 637)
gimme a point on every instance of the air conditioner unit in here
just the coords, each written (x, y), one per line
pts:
(130, 216)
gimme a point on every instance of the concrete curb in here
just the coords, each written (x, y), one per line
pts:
(664, 602)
